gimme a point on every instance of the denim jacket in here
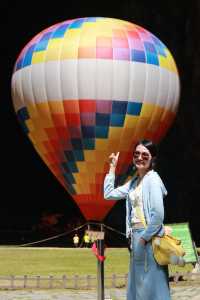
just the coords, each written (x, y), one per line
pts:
(153, 191)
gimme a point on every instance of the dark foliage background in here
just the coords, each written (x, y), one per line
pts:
(29, 192)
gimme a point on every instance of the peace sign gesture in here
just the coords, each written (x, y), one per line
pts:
(113, 159)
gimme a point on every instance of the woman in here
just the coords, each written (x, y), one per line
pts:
(144, 219)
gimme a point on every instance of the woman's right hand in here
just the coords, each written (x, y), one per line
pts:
(113, 159)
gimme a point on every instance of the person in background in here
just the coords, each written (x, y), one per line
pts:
(76, 240)
(144, 195)
(86, 240)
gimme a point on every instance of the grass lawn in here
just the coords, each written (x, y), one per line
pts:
(60, 261)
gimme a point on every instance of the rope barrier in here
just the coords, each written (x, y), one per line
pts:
(114, 230)
(53, 237)
(69, 232)
(108, 227)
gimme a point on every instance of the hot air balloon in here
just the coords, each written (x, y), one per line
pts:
(87, 87)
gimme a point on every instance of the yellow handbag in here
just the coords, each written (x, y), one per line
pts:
(166, 249)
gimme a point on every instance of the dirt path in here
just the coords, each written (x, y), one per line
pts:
(178, 293)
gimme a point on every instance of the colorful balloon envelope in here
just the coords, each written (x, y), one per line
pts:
(87, 87)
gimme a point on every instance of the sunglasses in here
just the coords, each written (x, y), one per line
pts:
(144, 155)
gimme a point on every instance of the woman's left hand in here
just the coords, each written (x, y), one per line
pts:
(168, 230)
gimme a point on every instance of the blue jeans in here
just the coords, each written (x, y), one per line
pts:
(147, 280)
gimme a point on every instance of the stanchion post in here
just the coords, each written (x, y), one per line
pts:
(100, 270)
(98, 237)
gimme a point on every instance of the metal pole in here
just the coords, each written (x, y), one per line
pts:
(100, 268)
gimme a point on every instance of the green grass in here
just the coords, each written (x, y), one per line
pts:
(60, 261)
(176, 269)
